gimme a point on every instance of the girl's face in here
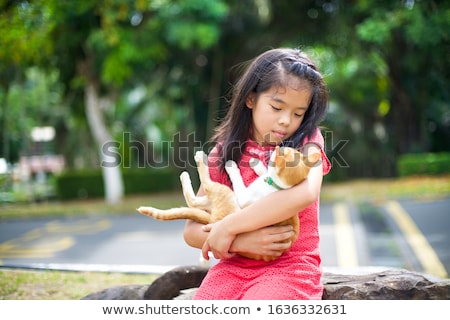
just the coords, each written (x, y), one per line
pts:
(277, 113)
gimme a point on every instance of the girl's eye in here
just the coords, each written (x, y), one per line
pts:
(275, 108)
(298, 115)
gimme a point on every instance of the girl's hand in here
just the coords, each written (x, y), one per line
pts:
(264, 241)
(218, 241)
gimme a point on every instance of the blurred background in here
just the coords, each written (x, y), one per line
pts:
(112, 98)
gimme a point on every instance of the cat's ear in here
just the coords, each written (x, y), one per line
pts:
(280, 161)
(312, 159)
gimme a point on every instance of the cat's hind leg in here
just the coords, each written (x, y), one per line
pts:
(201, 159)
(193, 201)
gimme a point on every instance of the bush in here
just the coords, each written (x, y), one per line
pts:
(423, 164)
(79, 184)
(150, 180)
(83, 184)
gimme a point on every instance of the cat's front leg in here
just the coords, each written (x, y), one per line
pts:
(239, 188)
(258, 167)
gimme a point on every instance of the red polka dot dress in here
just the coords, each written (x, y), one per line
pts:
(293, 276)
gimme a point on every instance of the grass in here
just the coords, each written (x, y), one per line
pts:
(29, 285)
(89, 207)
(53, 285)
(418, 188)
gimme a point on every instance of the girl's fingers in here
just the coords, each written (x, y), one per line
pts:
(207, 227)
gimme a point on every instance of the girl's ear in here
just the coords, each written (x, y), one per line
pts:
(250, 101)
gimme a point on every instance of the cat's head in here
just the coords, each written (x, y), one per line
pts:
(290, 166)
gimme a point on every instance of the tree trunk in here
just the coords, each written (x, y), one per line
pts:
(112, 177)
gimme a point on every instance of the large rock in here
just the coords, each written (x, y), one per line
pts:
(130, 292)
(173, 282)
(390, 284)
(394, 284)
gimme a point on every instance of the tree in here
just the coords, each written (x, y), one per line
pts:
(387, 92)
(386, 64)
(413, 39)
(24, 42)
(103, 48)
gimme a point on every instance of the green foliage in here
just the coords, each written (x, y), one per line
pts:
(115, 69)
(36, 101)
(188, 35)
(131, 35)
(25, 30)
(79, 185)
(88, 184)
(150, 180)
(386, 64)
(387, 94)
(192, 23)
(422, 24)
(423, 164)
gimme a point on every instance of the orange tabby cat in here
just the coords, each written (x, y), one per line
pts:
(287, 167)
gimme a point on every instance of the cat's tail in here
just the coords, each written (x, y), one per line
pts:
(195, 214)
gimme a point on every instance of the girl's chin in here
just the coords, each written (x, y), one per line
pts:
(271, 142)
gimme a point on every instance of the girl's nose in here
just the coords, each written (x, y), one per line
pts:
(284, 119)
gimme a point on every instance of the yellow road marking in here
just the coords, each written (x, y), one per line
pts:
(14, 249)
(46, 241)
(80, 227)
(345, 240)
(419, 244)
(32, 235)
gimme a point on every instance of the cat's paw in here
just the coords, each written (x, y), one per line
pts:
(200, 156)
(231, 166)
(184, 177)
(253, 162)
(257, 166)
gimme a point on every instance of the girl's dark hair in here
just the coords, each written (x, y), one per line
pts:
(273, 68)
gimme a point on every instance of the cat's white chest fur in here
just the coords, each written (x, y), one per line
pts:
(266, 183)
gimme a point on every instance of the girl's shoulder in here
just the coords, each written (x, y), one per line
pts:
(215, 160)
(317, 139)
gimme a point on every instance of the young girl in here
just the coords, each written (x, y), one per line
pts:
(280, 100)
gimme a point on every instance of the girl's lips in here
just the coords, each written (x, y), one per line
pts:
(279, 134)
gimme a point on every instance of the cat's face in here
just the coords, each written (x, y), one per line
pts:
(291, 166)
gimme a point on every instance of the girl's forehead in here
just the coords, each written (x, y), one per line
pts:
(298, 97)
(300, 85)
(295, 83)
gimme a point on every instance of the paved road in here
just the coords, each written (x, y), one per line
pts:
(123, 242)
(406, 234)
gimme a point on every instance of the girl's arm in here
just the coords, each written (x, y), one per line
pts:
(264, 241)
(267, 211)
